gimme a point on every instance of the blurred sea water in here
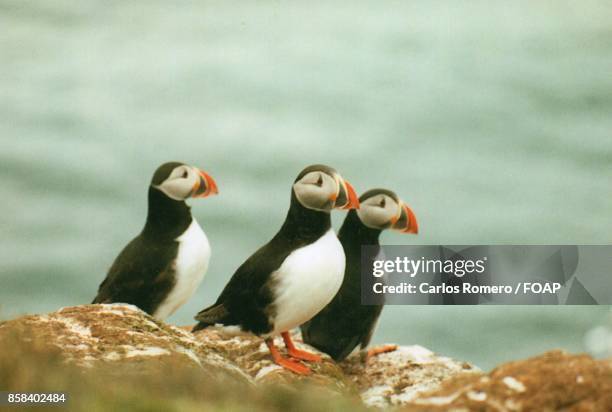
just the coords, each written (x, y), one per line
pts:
(491, 119)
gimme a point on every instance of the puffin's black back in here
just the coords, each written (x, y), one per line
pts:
(247, 299)
(143, 273)
(344, 323)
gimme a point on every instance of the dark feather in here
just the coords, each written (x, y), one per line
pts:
(248, 297)
(344, 323)
(142, 275)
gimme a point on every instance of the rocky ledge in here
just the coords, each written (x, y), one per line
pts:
(411, 376)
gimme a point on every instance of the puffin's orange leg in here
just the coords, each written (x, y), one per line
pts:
(377, 350)
(297, 353)
(295, 367)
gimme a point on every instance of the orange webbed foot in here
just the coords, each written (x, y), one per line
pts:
(377, 350)
(303, 355)
(289, 364)
(293, 366)
(298, 353)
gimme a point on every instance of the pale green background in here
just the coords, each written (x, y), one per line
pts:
(491, 119)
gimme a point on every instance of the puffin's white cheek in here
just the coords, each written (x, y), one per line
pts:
(311, 196)
(177, 189)
(374, 217)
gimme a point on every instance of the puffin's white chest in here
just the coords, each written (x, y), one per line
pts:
(307, 281)
(190, 267)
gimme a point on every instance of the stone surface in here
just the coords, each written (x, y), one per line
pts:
(91, 335)
(251, 355)
(101, 334)
(395, 378)
(411, 377)
(553, 381)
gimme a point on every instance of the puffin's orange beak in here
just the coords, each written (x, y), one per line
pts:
(204, 186)
(353, 200)
(346, 197)
(406, 221)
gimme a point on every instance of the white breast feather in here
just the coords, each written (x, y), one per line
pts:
(190, 267)
(307, 281)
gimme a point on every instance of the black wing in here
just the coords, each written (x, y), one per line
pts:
(142, 275)
(247, 299)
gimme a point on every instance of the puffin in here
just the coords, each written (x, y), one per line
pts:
(293, 276)
(161, 268)
(344, 323)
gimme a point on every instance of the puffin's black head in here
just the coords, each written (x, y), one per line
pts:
(179, 181)
(383, 209)
(320, 187)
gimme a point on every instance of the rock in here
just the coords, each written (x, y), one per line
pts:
(92, 335)
(553, 381)
(395, 378)
(122, 336)
(387, 379)
(251, 355)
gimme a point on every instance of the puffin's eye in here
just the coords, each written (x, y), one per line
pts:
(320, 181)
(185, 174)
(382, 203)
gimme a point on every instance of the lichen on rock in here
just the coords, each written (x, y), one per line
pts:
(395, 378)
(120, 338)
(90, 335)
(553, 381)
